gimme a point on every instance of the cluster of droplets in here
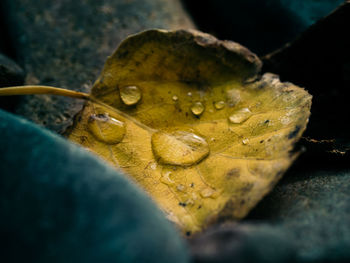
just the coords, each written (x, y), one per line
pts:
(131, 95)
(186, 148)
(188, 195)
(233, 97)
(176, 148)
(108, 129)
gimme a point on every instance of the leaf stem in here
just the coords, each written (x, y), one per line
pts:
(30, 90)
(33, 89)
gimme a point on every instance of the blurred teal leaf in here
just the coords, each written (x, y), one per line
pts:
(59, 203)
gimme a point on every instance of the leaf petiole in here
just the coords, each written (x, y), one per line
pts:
(31, 90)
(48, 90)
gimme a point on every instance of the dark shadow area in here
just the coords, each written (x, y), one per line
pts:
(262, 26)
(10, 73)
(319, 61)
(7, 46)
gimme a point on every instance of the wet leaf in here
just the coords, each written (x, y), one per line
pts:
(188, 117)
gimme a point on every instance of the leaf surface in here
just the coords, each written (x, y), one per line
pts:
(189, 118)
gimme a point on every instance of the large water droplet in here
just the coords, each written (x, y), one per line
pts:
(130, 95)
(240, 116)
(233, 97)
(179, 148)
(106, 129)
(197, 108)
(175, 98)
(219, 105)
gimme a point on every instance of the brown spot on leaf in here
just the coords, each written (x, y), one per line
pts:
(233, 173)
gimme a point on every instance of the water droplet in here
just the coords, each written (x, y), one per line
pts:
(180, 148)
(189, 202)
(166, 178)
(180, 187)
(245, 141)
(240, 116)
(219, 105)
(175, 98)
(106, 129)
(130, 95)
(285, 120)
(153, 166)
(208, 193)
(189, 94)
(197, 108)
(233, 97)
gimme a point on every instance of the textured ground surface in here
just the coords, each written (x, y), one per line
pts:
(65, 44)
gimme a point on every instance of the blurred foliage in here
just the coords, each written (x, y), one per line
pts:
(59, 203)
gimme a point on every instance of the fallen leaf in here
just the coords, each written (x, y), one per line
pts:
(188, 117)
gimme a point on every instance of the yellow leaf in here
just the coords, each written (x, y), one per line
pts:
(188, 117)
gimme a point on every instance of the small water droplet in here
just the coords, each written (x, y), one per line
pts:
(233, 97)
(130, 95)
(189, 94)
(179, 148)
(285, 120)
(240, 116)
(208, 193)
(219, 105)
(175, 98)
(189, 202)
(245, 141)
(166, 178)
(180, 187)
(194, 196)
(153, 166)
(106, 129)
(197, 108)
